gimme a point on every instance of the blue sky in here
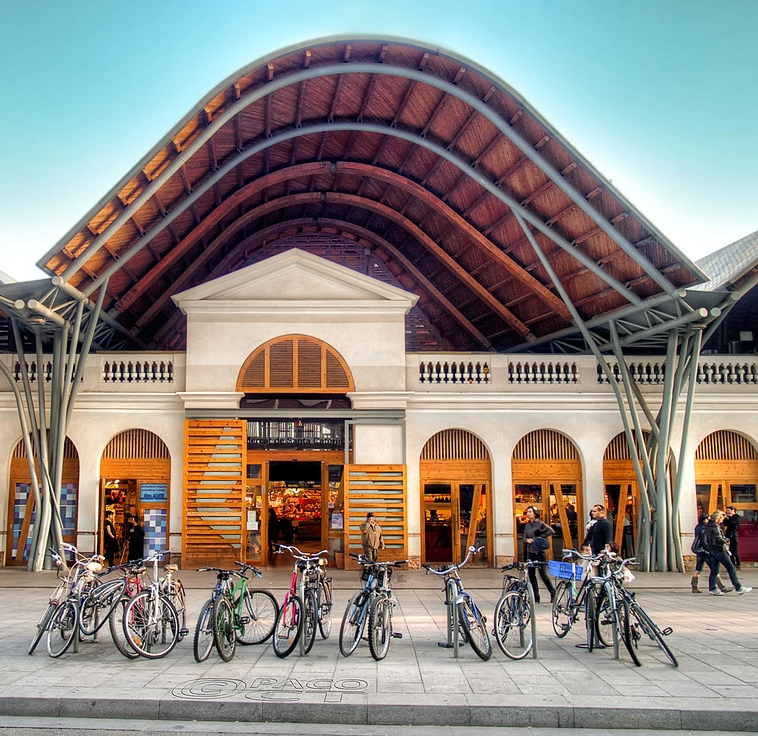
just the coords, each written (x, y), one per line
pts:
(660, 95)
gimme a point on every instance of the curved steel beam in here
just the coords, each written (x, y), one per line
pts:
(231, 164)
(369, 68)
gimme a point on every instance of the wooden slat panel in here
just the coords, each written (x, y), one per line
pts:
(214, 501)
(383, 490)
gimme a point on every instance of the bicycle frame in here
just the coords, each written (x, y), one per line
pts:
(455, 595)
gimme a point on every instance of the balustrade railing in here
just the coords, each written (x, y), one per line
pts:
(461, 372)
(543, 371)
(711, 372)
(138, 371)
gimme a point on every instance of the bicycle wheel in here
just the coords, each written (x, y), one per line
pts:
(353, 623)
(64, 628)
(325, 608)
(289, 626)
(647, 626)
(310, 615)
(563, 613)
(116, 626)
(590, 618)
(42, 626)
(604, 631)
(99, 604)
(474, 625)
(513, 625)
(380, 627)
(203, 640)
(224, 635)
(258, 610)
(611, 620)
(151, 624)
(625, 630)
(177, 598)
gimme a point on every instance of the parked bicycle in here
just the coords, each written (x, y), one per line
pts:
(306, 604)
(463, 613)
(70, 620)
(371, 607)
(136, 580)
(59, 595)
(612, 614)
(638, 624)
(151, 622)
(570, 600)
(233, 613)
(514, 612)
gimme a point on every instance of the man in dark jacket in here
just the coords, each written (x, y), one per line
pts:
(731, 532)
(601, 531)
(136, 534)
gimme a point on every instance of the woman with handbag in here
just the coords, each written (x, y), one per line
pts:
(536, 542)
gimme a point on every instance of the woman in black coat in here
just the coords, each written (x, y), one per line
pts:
(535, 529)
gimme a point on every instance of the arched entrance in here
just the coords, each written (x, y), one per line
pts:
(547, 473)
(456, 478)
(135, 474)
(726, 474)
(622, 493)
(295, 463)
(22, 511)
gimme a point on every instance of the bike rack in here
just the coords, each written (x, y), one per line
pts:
(453, 633)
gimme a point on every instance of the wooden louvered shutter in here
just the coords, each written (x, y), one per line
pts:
(214, 503)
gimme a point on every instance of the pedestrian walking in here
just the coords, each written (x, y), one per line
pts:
(718, 555)
(700, 549)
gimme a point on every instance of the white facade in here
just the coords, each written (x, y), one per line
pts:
(364, 321)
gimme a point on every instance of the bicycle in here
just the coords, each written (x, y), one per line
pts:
(612, 609)
(151, 621)
(639, 622)
(371, 607)
(67, 624)
(233, 614)
(514, 612)
(462, 611)
(300, 611)
(135, 577)
(64, 576)
(568, 601)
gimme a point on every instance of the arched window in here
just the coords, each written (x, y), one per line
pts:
(295, 364)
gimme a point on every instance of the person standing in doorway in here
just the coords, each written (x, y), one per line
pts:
(731, 532)
(110, 541)
(136, 534)
(371, 537)
(536, 534)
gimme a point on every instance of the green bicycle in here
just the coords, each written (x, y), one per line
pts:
(233, 613)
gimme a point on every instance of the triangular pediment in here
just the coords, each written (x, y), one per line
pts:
(295, 277)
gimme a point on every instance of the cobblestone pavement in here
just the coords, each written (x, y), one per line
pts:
(421, 684)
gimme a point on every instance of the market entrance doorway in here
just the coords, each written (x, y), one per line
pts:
(455, 498)
(304, 506)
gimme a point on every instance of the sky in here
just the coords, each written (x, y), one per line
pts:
(661, 96)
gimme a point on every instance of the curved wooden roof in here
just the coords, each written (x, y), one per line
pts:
(406, 162)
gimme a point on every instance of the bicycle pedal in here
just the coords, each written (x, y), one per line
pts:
(244, 620)
(668, 630)
(397, 635)
(183, 632)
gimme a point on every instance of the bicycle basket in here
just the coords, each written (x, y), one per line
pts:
(565, 570)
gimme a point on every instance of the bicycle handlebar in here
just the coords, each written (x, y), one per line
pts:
(386, 563)
(447, 569)
(298, 554)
